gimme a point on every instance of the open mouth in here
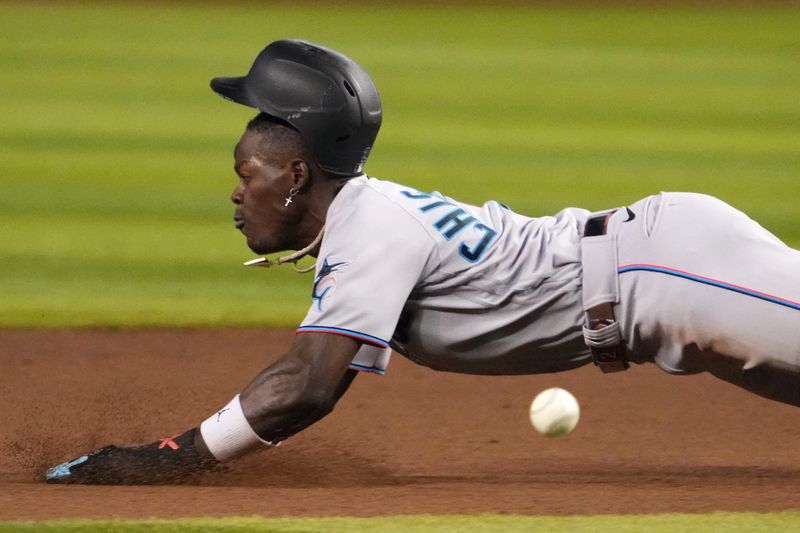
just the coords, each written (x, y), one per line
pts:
(239, 223)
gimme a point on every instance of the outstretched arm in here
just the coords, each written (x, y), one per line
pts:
(291, 394)
(301, 387)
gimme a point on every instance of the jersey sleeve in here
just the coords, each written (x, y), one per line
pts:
(372, 256)
(371, 358)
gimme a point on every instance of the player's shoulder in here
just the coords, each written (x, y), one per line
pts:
(368, 200)
(368, 210)
(368, 189)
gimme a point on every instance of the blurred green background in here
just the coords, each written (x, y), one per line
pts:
(115, 156)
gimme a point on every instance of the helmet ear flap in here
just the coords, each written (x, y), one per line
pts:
(323, 94)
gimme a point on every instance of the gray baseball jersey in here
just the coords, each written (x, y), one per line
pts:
(449, 285)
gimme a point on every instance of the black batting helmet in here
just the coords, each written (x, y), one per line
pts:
(323, 94)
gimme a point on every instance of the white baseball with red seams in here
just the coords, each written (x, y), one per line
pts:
(554, 412)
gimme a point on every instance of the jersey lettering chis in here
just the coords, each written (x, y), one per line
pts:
(453, 222)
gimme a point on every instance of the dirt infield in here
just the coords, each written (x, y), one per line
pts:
(413, 441)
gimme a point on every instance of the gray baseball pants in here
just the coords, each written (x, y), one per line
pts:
(704, 288)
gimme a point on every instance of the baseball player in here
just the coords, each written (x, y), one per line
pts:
(682, 280)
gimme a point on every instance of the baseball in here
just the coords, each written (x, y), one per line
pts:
(554, 412)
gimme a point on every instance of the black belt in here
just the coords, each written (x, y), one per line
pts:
(608, 358)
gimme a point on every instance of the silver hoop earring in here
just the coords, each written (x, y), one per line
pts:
(292, 193)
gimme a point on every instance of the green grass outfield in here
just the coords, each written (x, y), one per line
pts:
(115, 156)
(667, 523)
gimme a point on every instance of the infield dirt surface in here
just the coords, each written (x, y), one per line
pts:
(413, 441)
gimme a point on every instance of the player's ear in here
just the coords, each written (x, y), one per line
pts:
(301, 174)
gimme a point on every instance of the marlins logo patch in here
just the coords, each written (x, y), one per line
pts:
(325, 282)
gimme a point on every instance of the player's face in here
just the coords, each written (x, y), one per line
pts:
(265, 180)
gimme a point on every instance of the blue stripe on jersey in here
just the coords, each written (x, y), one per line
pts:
(346, 332)
(362, 368)
(710, 281)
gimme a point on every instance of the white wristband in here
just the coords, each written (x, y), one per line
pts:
(228, 434)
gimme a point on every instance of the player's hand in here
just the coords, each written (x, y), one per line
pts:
(163, 462)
